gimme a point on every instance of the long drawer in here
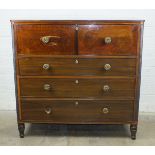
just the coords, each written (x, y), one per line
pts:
(77, 66)
(76, 111)
(106, 88)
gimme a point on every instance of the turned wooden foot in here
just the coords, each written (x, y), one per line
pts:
(133, 129)
(21, 128)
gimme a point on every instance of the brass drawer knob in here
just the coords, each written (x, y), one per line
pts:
(108, 40)
(107, 67)
(45, 39)
(76, 103)
(105, 110)
(76, 81)
(46, 66)
(76, 61)
(106, 88)
(48, 110)
(47, 87)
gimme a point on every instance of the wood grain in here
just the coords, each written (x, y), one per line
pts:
(85, 112)
(77, 66)
(28, 39)
(124, 39)
(119, 88)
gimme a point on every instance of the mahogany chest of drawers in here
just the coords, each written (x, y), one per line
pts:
(77, 72)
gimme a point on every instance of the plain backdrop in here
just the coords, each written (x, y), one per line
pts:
(7, 93)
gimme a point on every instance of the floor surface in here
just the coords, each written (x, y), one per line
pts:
(81, 135)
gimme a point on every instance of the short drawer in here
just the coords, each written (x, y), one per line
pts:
(76, 111)
(77, 66)
(109, 39)
(83, 87)
(45, 39)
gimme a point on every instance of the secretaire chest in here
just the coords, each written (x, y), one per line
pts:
(77, 72)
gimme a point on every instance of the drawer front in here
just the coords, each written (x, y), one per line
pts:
(108, 39)
(77, 111)
(45, 39)
(72, 87)
(77, 66)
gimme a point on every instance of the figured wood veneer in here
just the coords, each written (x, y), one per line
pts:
(77, 72)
